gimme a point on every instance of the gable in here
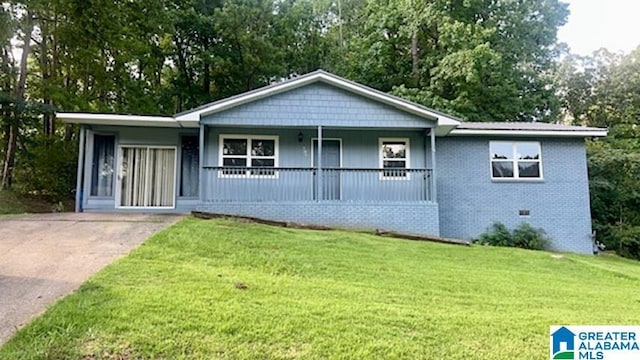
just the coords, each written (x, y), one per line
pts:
(317, 104)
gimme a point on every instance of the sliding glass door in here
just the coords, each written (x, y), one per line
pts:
(147, 176)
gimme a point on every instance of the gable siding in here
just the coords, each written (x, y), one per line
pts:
(317, 104)
(470, 201)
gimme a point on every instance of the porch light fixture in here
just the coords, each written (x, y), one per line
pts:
(300, 136)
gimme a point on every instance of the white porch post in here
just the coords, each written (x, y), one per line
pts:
(319, 166)
(201, 162)
(434, 190)
(80, 174)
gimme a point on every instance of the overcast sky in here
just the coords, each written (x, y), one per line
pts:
(594, 24)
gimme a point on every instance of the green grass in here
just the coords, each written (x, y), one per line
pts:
(332, 294)
(14, 203)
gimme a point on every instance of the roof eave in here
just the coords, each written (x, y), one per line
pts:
(123, 120)
(546, 133)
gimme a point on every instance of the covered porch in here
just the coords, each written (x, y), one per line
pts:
(364, 178)
(270, 164)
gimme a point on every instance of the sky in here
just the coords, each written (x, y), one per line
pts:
(594, 24)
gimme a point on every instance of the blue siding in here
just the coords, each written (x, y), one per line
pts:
(359, 147)
(470, 201)
(313, 105)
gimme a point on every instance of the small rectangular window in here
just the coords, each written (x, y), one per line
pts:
(515, 160)
(394, 158)
(189, 165)
(251, 155)
(102, 166)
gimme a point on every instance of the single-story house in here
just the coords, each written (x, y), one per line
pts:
(320, 149)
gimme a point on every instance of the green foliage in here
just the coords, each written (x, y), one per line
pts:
(602, 90)
(325, 295)
(629, 241)
(496, 235)
(484, 60)
(48, 168)
(524, 236)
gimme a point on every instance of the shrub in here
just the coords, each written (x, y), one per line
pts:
(48, 168)
(496, 235)
(628, 238)
(524, 236)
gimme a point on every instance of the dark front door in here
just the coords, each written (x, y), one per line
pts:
(331, 168)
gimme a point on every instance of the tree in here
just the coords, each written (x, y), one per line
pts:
(604, 90)
(484, 60)
(16, 106)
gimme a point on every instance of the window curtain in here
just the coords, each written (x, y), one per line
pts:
(103, 165)
(147, 177)
(189, 173)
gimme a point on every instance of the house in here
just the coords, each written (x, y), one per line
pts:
(383, 163)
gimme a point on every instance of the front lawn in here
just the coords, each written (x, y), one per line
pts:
(235, 290)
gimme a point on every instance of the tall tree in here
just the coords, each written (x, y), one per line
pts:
(604, 90)
(16, 105)
(486, 60)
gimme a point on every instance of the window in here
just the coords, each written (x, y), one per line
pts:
(394, 158)
(189, 164)
(102, 166)
(147, 176)
(515, 160)
(252, 155)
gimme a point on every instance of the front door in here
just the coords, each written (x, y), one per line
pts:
(146, 177)
(331, 168)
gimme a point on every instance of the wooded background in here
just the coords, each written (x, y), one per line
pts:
(482, 60)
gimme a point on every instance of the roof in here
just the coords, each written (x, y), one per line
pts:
(444, 122)
(125, 120)
(526, 129)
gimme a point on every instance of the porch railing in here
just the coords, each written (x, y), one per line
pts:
(298, 184)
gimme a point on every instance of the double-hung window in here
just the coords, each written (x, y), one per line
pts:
(394, 158)
(516, 160)
(248, 155)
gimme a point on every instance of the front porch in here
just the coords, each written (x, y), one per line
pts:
(307, 184)
(363, 178)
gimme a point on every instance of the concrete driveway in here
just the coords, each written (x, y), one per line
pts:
(46, 256)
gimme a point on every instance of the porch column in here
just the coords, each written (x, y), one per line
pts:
(80, 174)
(201, 163)
(319, 166)
(434, 190)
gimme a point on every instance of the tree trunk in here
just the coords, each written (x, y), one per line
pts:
(13, 127)
(415, 58)
(10, 156)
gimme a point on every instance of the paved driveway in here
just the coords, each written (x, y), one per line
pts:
(46, 256)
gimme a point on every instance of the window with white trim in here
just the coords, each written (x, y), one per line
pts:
(516, 160)
(253, 155)
(394, 157)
